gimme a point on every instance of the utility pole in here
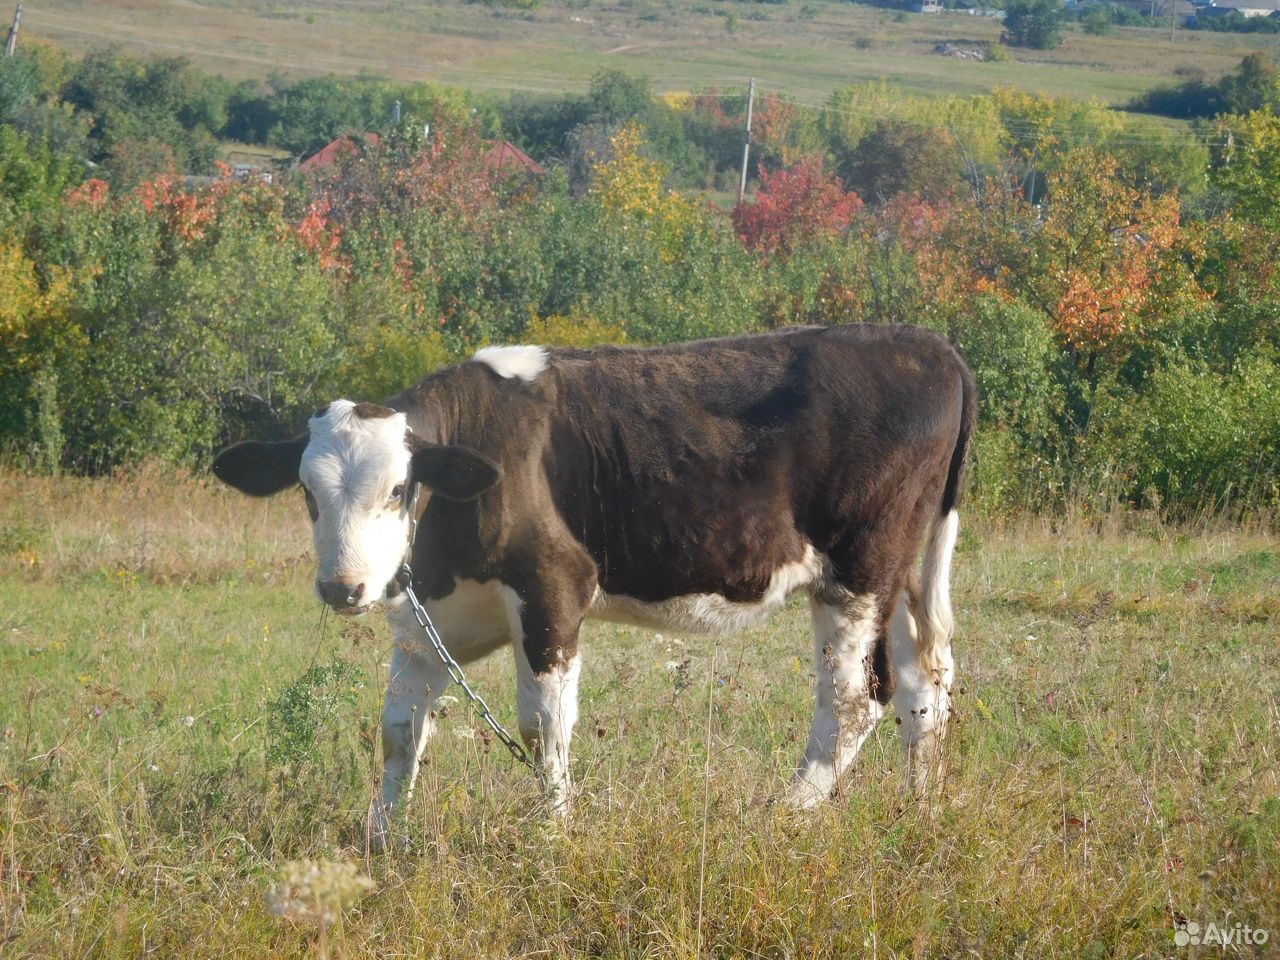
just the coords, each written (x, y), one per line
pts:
(1173, 17)
(746, 143)
(12, 43)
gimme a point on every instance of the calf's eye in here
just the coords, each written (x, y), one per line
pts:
(397, 492)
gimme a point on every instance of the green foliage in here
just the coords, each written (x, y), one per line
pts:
(19, 84)
(1010, 347)
(314, 701)
(1248, 169)
(996, 53)
(157, 100)
(1096, 21)
(1192, 438)
(149, 318)
(33, 174)
(899, 158)
(306, 114)
(858, 110)
(1254, 84)
(1033, 23)
(1235, 22)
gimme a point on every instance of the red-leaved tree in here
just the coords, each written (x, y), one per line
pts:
(800, 201)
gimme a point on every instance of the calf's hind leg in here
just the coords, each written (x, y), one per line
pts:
(846, 628)
(921, 695)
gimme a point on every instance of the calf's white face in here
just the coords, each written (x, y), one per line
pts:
(358, 466)
(355, 472)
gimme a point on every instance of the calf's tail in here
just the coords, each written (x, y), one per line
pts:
(934, 620)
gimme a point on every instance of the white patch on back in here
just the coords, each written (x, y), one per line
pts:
(521, 362)
(711, 613)
(350, 466)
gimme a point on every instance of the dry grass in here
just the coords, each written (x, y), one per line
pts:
(1114, 767)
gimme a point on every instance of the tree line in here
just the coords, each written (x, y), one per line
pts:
(1113, 283)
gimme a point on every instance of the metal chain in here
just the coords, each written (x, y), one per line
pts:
(452, 665)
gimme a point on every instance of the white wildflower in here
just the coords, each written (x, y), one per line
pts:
(317, 891)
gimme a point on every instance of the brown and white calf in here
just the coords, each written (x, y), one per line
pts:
(690, 487)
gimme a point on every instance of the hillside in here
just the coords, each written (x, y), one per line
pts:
(804, 48)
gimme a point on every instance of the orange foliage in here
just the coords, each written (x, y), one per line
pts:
(322, 236)
(1104, 242)
(93, 194)
(189, 216)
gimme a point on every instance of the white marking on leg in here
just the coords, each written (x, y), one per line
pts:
(844, 635)
(473, 620)
(520, 362)
(417, 680)
(547, 704)
(921, 696)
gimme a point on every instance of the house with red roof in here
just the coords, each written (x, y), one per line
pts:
(500, 156)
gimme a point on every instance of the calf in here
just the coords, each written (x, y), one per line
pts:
(691, 487)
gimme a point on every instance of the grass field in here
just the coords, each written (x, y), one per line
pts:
(803, 48)
(1114, 765)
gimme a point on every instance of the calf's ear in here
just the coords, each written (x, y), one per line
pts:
(454, 473)
(260, 469)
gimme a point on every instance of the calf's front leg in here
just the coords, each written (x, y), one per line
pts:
(417, 678)
(547, 669)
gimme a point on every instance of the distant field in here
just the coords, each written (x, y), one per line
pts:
(1114, 764)
(805, 47)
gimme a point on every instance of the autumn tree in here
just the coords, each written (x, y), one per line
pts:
(791, 204)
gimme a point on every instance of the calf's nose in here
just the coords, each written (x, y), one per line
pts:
(338, 594)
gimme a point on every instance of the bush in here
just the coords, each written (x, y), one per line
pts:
(1235, 22)
(1193, 440)
(995, 53)
(1011, 348)
(1113, 339)
(1251, 86)
(312, 703)
(1096, 21)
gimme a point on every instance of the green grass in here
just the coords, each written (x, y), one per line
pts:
(559, 46)
(1114, 762)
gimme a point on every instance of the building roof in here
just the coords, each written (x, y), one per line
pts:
(1266, 6)
(503, 155)
(339, 149)
(500, 155)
